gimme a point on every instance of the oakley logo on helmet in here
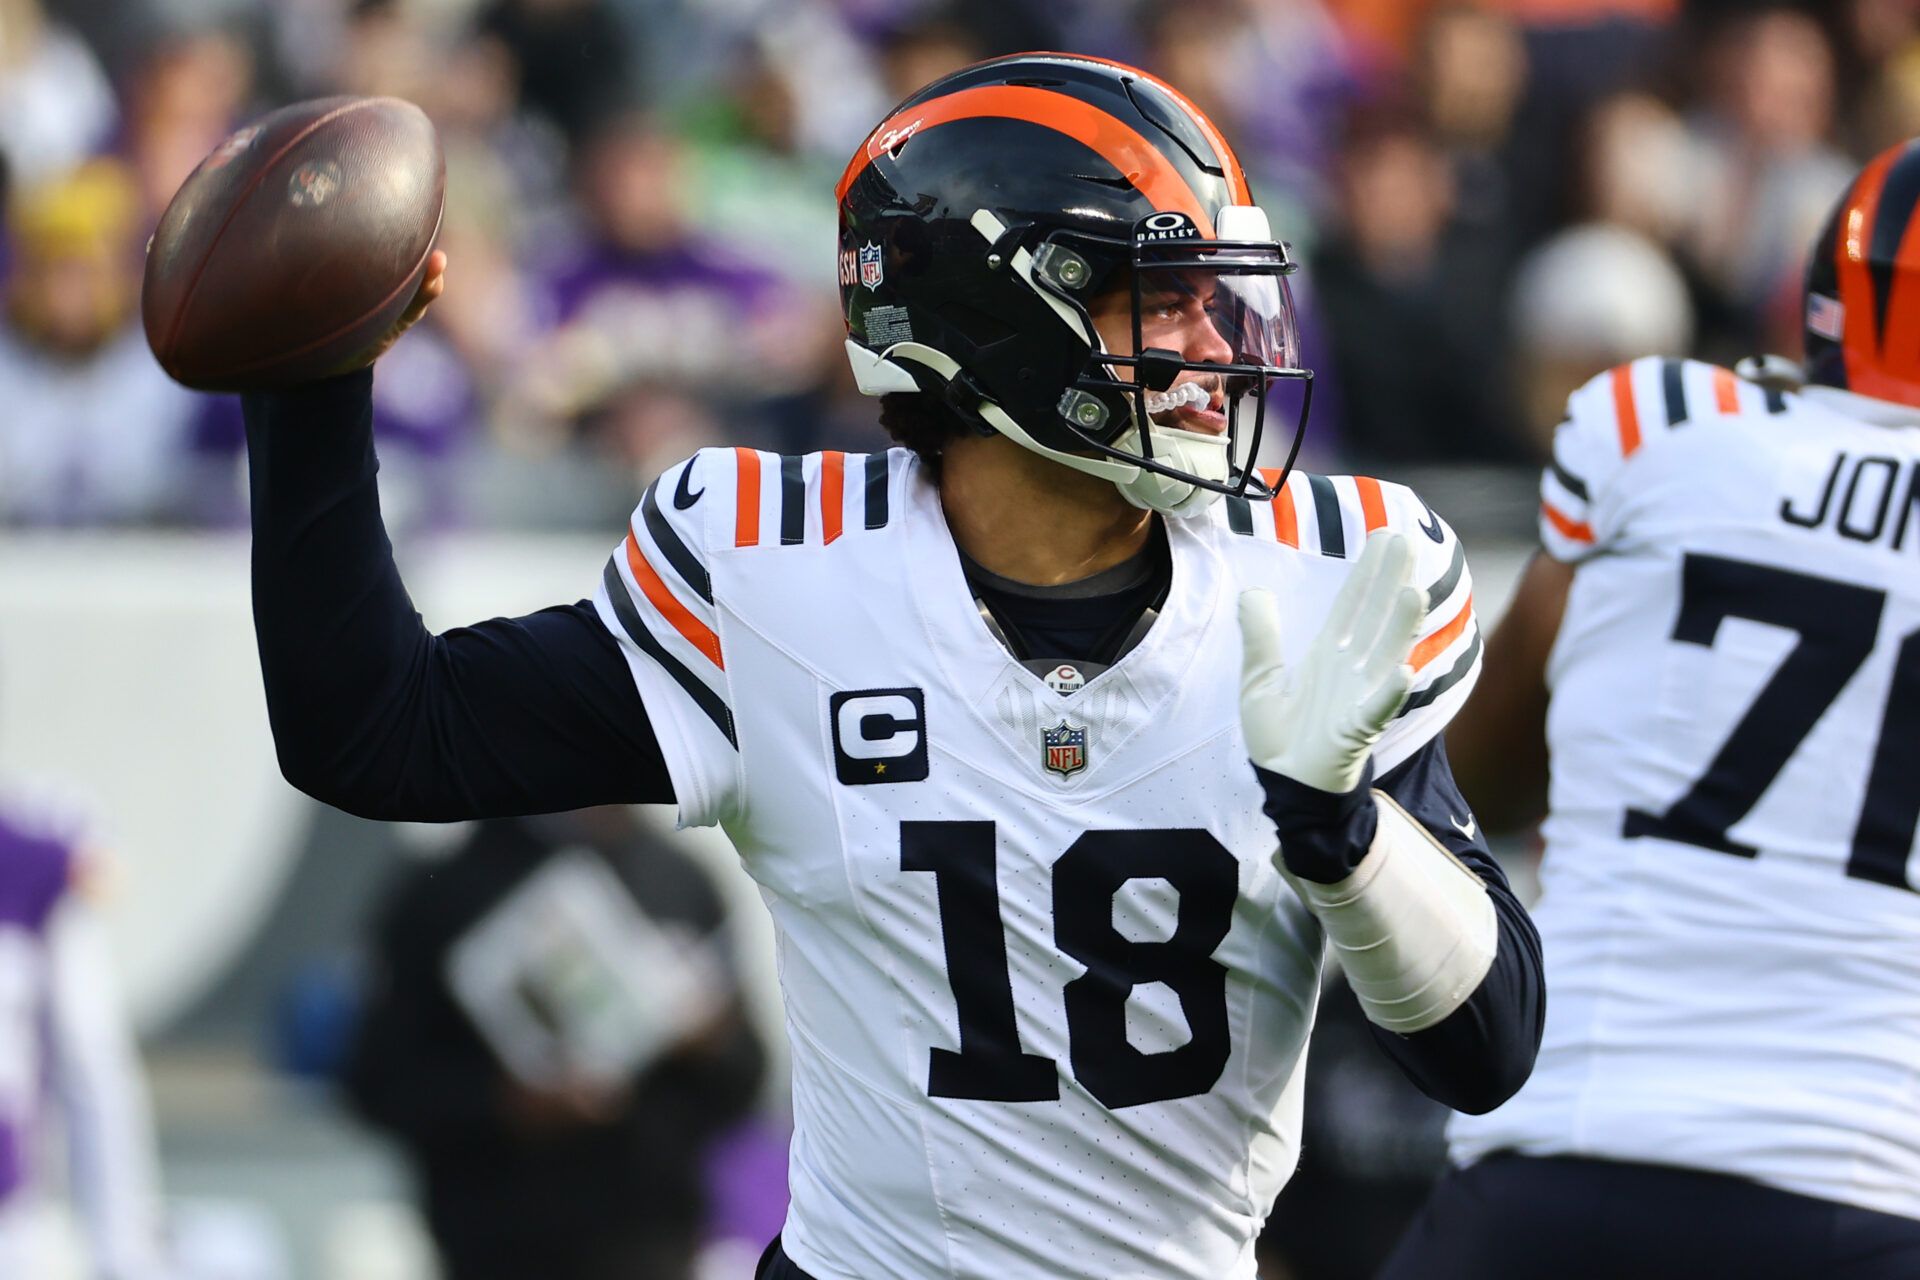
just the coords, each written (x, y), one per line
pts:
(1165, 226)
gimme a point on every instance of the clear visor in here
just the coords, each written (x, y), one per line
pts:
(1226, 306)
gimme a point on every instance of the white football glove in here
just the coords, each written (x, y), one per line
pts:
(1317, 725)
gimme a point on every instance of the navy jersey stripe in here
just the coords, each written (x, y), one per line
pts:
(704, 698)
(1444, 585)
(1675, 392)
(1326, 510)
(1572, 483)
(793, 503)
(1239, 515)
(876, 491)
(1776, 400)
(684, 562)
(1454, 676)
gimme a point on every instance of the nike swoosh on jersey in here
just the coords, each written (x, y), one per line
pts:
(1431, 525)
(682, 496)
(1467, 829)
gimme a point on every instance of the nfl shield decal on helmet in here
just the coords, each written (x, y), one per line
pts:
(1066, 749)
(871, 270)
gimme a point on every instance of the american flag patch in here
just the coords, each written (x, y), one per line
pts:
(1825, 316)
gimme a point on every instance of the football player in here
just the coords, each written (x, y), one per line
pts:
(977, 712)
(1727, 612)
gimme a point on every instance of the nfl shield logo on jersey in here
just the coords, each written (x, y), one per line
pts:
(871, 271)
(1066, 749)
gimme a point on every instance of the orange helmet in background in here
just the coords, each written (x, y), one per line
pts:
(1863, 284)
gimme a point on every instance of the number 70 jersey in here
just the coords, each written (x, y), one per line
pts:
(1046, 994)
(1728, 915)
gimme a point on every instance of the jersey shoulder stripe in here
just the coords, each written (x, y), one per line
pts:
(1328, 514)
(657, 591)
(1616, 416)
(1332, 516)
(814, 498)
(636, 631)
(1446, 654)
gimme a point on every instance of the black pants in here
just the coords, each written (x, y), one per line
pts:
(1526, 1218)
(776, 1265)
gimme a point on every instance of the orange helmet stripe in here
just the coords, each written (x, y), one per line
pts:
(1151, 173)
(1229, 162)
(1861, 343)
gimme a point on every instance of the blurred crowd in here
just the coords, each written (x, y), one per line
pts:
(1493, 201)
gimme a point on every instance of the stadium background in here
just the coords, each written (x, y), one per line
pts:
(1493, 201)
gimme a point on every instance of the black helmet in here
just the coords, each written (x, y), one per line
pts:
(981, 219)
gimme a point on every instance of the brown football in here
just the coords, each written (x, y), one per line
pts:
(295, 245)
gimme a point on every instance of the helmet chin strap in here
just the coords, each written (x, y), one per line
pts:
(1189, 451)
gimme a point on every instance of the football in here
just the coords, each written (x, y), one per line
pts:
(295, 245)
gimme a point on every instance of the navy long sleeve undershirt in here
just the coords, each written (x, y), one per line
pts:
(375, 715)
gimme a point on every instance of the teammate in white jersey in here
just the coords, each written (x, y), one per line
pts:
(1727, 612)
(978, 712)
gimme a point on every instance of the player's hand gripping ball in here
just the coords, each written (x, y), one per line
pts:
(293, 250)
(1317, 724)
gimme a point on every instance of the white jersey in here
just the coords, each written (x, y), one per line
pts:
(1728, 914)
(1047, 996)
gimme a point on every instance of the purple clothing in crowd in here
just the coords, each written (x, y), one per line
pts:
(34, 873)
(35, 870)
(685, 311)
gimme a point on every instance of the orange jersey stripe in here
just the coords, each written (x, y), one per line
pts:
(1286, 523)
(1625, 411)
(1107, 135)
(1430, 648)
(833, 479)
(746, 511)
(1372, 505)
(1726, 391)
(1565, 524)
(698, 634)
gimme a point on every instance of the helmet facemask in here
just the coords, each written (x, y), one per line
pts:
(1173, 433)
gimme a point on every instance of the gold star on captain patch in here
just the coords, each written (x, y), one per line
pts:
(880, 766)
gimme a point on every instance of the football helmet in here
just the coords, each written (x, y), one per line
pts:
(1862, 322)
(989, 217)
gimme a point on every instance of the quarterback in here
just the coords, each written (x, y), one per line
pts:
(1061, 741)
(1727, 612)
